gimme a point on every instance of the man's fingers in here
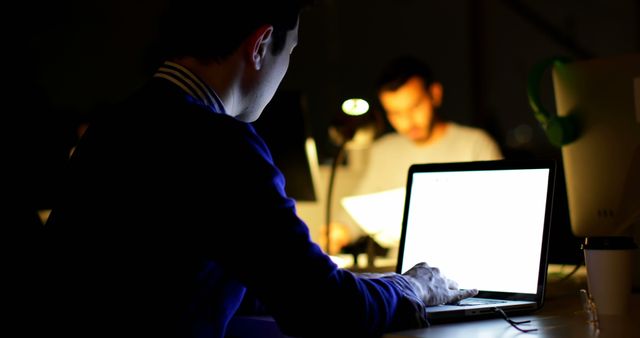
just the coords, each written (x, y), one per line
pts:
(462, 294)
(469, 293)
(452, 285)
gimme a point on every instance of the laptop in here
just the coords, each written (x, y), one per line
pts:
(485, 225)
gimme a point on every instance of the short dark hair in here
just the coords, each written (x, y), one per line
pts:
(399, 70)
(212, 30)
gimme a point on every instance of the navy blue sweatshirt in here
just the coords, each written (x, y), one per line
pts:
(171, 211)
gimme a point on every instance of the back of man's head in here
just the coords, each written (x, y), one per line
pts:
(212, 30)
(399, 70)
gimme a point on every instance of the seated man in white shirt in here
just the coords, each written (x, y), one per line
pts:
(410, 97)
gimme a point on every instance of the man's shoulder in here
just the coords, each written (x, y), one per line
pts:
(390, 139)
(475, 139)
(465, 129)
(462, 131)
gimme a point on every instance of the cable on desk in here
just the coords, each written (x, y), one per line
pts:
(513, 322)
(575, 269)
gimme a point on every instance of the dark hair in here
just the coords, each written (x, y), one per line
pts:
(399, 70)
(212, 30)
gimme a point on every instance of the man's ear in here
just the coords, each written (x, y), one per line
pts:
(436, 91)
(258, 45)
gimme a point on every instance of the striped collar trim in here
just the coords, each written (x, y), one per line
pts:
(190, 84)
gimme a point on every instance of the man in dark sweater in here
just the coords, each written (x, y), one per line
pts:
(172, 208)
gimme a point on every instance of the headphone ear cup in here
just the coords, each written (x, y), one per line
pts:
(560, 130)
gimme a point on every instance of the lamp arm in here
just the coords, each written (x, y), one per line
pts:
(334, 166)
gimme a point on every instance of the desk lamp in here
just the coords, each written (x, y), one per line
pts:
(355, 127)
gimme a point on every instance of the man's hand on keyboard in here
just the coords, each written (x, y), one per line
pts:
(434, 288)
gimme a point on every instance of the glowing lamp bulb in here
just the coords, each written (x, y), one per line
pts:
(355, 107)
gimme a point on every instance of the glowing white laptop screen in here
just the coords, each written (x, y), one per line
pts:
(481, 228)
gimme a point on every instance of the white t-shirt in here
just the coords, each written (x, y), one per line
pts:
(391, 155)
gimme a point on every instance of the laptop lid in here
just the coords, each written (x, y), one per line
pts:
(483, 224)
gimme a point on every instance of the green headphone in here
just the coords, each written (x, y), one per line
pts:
(560, 130)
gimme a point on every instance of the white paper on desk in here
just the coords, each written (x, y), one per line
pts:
(378, 214)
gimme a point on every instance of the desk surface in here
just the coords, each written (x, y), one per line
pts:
(561, 316)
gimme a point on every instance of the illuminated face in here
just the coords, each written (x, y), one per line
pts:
(269, 77)
(410, 109)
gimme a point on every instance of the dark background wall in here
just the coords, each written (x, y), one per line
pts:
(481, 50)
(69, 58)
(85, 54)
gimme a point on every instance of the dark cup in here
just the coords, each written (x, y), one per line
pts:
(609, 264)
(609, 243)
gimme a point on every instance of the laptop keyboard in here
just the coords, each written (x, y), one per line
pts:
(479, 301)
